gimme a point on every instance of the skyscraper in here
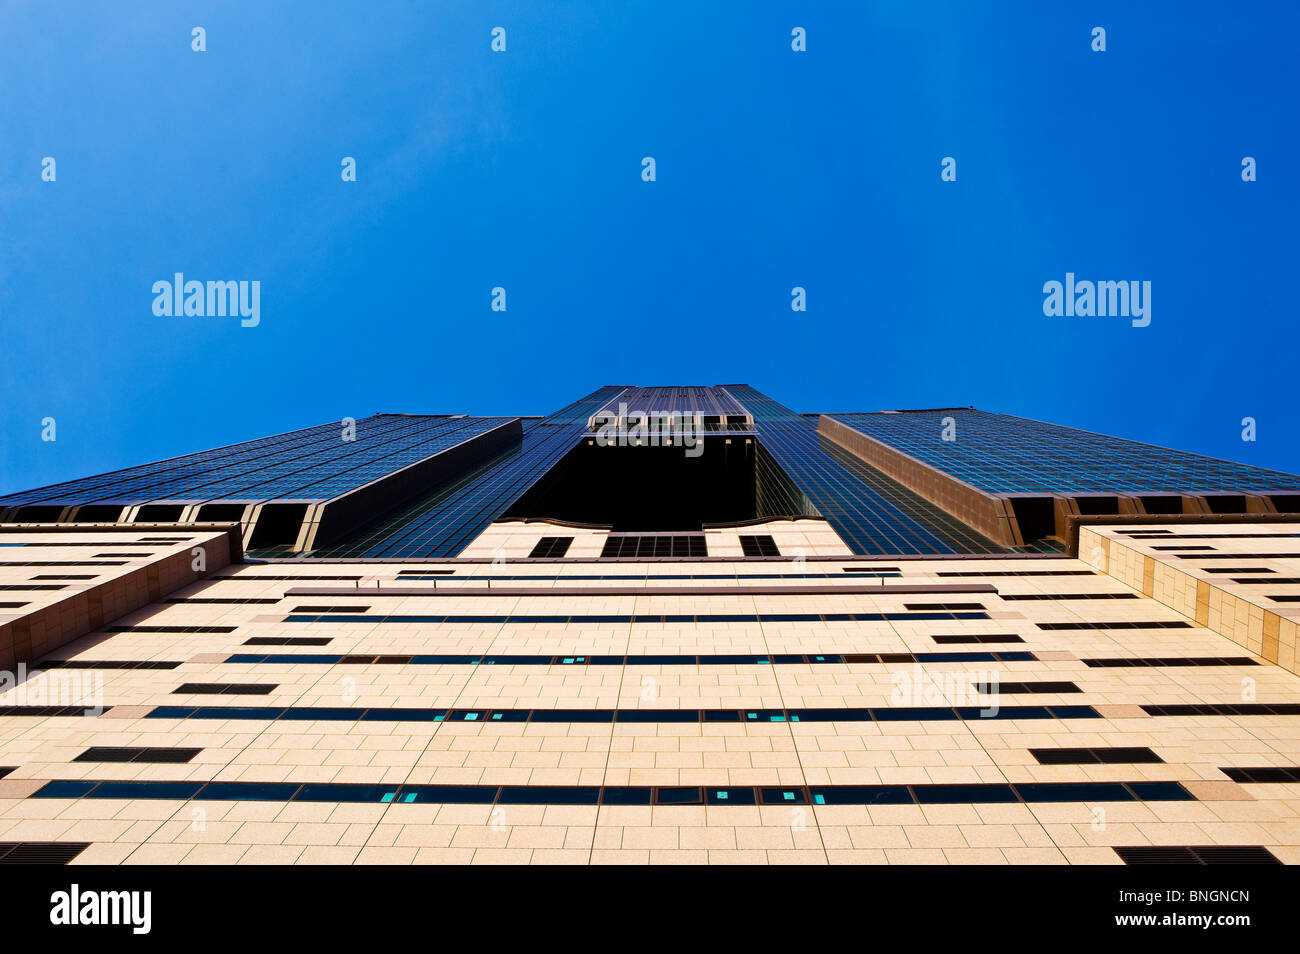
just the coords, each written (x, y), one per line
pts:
(947, 480)
(659, 624)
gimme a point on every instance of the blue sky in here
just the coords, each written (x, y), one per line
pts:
(522, 169)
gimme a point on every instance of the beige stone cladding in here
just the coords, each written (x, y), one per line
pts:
(774, 682)
(1240, 580)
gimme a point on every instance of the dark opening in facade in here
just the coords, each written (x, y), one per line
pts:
(1036, 517)
(642, 546)
(97, 513)
(39, 514)
(278, 524)
(550, 548)
(647, 488)
(221, 513)
(1097, 505)
(759, 545)
(159, 513)
(1162, 503)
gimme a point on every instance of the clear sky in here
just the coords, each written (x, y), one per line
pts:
(522, 169)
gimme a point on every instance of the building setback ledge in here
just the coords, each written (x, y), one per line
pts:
(1074, 521)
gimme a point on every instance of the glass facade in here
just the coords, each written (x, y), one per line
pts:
(872, 513)
(315, 463)
(1002, 454)
(707, 402)
(444, 522)
(768, 461)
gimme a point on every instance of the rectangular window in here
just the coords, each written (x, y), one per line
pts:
(1094, 756)
(759, 546)
(330, 609)
(288, 641)
(225, 688)
(550, 548)
(1068, 596)
(633, 546)
(136, 754)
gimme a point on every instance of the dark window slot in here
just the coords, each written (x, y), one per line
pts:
(550, 548)
(759, 546)
(159, 513)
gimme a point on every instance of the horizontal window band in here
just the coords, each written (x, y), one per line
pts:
(40, 852)
(623, 716)
(225, 689)
(958, 639)
(1233, 569)
(250, 578)
(288, 641)
(734, 659)
(1022, 688)
(106, 664)
(1237, 556)
(223, 600)
(171, 629)
(1120, 662)
(99, 753)
(329, 609)
(65, 562)
(973, 573)
(590, 577)
(718, 618)
(1224, 709)
(1197, 855)
(735, 588)
(1012, 597)
(594, 795)
(660, 715)
(1168, 535)
(94, 543)
(1265, 773)
(1112, 755)
(1155, 624)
